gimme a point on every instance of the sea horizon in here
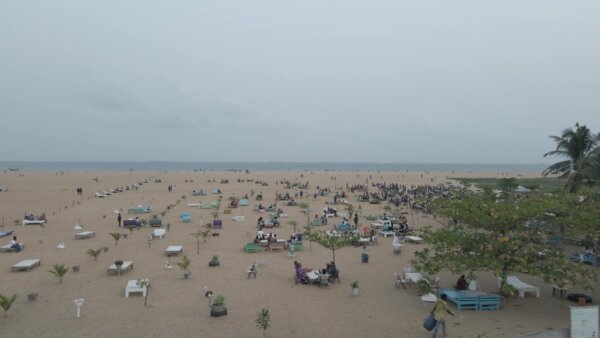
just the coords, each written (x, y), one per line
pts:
(154, 165)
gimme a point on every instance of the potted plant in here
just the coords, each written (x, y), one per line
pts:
(184, 265)
(354, 286)
(217, 308)
(214, 261)
(472, 281)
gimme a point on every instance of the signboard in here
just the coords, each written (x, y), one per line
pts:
(584, 322)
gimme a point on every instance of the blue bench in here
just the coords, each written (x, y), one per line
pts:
(217, 224)
(488, 302)
(462, 300)
(343, 227)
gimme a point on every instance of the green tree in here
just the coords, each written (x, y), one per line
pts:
(59, 270)
(508, 236)
(263, 320)
(184, 264)
(201, 234)
(577, 146)
(6, 302)
(332, 243)
(94, 253)
(116, 236)
(507, 184)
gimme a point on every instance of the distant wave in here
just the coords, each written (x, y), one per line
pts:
(264, 166)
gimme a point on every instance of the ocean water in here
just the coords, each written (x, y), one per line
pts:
(265, 166)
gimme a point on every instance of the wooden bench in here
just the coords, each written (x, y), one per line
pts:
(252, 247)
(488, 302)
(217, 224)
(278, 246)
(463, 301)
(298, 246)
(155, 222)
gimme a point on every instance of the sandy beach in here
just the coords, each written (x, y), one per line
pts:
(177, 307)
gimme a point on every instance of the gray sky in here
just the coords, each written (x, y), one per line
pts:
(350, 81)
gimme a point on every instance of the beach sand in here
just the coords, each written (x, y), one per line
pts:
(178, 307)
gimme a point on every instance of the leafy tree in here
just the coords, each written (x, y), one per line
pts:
(332, 243)
(507, 236)
(507, 184)
(6, 302)
(59, 270)
(263, 320)
(578, 146)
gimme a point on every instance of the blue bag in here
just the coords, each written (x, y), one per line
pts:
(429, 322)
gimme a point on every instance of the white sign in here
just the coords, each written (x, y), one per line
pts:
(584, 322)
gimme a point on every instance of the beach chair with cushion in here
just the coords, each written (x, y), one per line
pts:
(85, 234)
(9, 248)
(252, 247)
(523, 287)
(26, 265)
(5, 233)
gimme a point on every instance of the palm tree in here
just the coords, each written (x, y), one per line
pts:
(263, 320)
(116, 236)
(184, 264)
(578, 146)
(6, 302)
(59, 270)
(94, 253)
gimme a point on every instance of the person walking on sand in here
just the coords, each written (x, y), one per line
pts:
(119, 220)
(439, 311)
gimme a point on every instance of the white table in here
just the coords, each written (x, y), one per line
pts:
(174, 250)
(414, 239)
(127, 265)
(413, 277)
(132, 286)
(312, 276)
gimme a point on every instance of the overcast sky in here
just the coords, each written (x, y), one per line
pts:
(350, 81)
